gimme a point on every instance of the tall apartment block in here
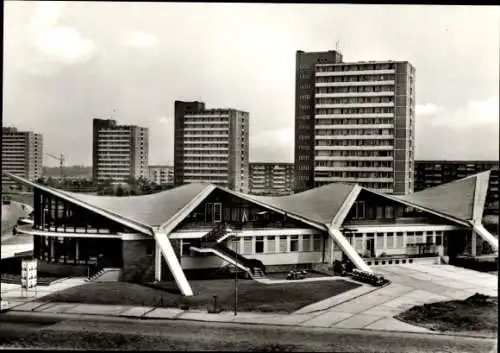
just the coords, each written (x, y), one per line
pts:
(211, 145)
(161, 174)
(430, 173)
(22, 154)
(354, 123)
(119, 152)
(271, 179)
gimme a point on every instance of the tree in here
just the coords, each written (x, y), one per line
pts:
(119, 191)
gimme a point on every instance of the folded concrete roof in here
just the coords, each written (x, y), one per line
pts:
(459, 200)
(320, 204)
(152, 209)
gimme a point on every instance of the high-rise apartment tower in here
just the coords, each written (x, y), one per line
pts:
(211, 145)
(354, 123)
(119, 152)
(22, 154)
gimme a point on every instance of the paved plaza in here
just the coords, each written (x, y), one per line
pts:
(365, 307)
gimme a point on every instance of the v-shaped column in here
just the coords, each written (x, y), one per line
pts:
(165, 248)
(347, 248)
(487, 236)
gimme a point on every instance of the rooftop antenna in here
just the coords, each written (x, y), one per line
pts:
(337, 45)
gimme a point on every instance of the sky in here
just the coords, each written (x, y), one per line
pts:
(66, 63)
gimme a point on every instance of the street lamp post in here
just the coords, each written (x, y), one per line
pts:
(235, 290)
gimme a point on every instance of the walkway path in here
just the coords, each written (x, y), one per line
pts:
(365, 307)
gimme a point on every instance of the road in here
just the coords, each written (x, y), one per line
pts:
(53, 331)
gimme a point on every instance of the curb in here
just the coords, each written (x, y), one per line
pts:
(83, 316)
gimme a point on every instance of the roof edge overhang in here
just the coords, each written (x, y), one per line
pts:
(170, 224)
(462, 222)
(246, 197)
(126, 221)
(346, 207)
(480, 192)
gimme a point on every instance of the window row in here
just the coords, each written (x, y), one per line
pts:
(203, 171)
(355, 89)
(355, 78)
(276, 244)
(392, 240)
(223, 120)
(322, 174)
(205, 139)
(354, 153)
(376, 110)
(350, 132)
(354, 142)
(206, 132)
(354, 100)
(207, 159)
(355, 67)
(383, 164)
(207, 165)
(208, 145)
(363, 121)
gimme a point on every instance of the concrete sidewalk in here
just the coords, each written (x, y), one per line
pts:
(143, 312)
(365, 307)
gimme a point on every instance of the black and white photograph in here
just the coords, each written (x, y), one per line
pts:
(250, 177)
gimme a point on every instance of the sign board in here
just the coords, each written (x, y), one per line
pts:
(28, 274)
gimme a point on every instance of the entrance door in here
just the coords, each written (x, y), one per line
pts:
(370, 247)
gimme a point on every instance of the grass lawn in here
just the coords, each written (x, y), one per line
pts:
(252, 296)
(477, 313)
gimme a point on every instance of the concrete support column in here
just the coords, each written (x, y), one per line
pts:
(52, 240)
(385, 240)
(331, 250)
(405, 239)
(363, 245)
(473, 243)
(77, 250)
(158, 257)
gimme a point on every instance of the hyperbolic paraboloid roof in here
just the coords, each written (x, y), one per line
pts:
(459, 201)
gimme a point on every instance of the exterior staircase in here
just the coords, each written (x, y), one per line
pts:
(212, 242)
(105, 275)
(258, 274)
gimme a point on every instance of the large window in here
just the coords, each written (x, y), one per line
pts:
(317, 243)
(213, 212)
(294, 243)
(217, 212)
(306, 243)
(283, 244)
(247, 245)
(271, 244)
(358, 242)
(399, 240)
(259, 245)
(390, 240)
(410, 238)
(380, 240)
(358, 210)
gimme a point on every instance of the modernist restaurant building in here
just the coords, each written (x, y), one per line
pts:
(202, 228)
